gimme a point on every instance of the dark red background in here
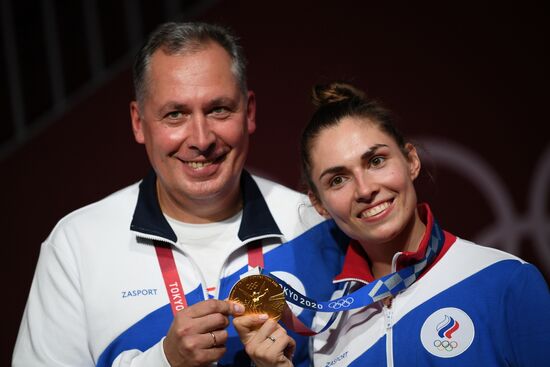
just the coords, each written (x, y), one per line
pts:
(474, 75)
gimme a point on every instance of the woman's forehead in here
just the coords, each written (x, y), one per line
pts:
(347, 142)
(349, 130)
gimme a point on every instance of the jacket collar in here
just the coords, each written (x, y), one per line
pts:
(357, 266)
(257, 219)
(149, 221)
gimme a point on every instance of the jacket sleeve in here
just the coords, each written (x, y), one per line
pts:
(527, 309)
(154, 356)
(54, 331)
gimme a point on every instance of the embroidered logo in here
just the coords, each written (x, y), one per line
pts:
(447, 333)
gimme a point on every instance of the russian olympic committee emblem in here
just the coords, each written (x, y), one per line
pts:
(447, 333)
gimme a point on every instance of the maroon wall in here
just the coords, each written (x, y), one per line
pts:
(467, 81)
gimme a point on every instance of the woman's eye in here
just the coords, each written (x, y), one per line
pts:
(376, 161)
(335, 181)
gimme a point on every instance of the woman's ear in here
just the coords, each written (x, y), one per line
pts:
(414, 161)
(317, 205)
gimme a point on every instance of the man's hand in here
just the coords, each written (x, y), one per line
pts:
(197, 335)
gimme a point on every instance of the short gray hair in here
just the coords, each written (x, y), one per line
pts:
(181, 38)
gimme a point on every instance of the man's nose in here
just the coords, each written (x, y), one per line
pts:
(201, 137)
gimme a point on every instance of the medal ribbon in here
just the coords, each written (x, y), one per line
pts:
(172, 282)
(171, 278)
(389, 285)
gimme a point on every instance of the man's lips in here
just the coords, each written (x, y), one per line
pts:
(198, 164)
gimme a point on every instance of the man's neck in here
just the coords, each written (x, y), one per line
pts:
(202, 210)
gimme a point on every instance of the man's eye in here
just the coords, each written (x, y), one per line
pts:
(173, 115)
(220, 111)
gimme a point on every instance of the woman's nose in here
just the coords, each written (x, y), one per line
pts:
(365, 188)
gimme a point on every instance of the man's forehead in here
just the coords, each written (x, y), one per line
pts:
(210, 51)
(195, 73)
(211, 65)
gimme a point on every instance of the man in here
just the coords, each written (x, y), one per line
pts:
(139, 278)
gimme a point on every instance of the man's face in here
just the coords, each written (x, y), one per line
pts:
(194, 122)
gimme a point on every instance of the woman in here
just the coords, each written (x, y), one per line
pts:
(465, 305)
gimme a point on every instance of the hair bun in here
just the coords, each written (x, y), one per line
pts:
(335, 92)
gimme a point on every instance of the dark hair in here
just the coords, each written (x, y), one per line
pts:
(181, 38)
(334, 102)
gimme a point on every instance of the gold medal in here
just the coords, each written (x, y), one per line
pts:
(259, 294)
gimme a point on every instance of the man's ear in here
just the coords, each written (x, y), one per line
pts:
(137, 122)
(251, 112)
(318, 205)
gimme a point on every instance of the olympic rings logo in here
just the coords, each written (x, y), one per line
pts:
(509, 227)
(445, 345)
(341, 303)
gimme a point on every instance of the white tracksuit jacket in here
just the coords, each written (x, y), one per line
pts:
(98, 297)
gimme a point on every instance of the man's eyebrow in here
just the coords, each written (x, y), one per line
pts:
(365, 156)
(173, 106)
(222, 101)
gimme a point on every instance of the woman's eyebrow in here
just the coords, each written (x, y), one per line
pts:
(365, 156)
(371, 151)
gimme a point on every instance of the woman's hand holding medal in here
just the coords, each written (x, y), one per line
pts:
(266, 342)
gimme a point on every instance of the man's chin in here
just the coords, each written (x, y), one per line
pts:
(208, 190)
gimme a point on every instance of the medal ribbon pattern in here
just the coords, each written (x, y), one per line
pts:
(389, 285)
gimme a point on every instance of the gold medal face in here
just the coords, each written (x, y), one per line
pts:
(259, 294)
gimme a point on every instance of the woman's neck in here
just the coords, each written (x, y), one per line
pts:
(381, 254)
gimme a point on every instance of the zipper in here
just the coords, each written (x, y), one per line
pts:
(388, 316)
(154, 238)
(388, 319)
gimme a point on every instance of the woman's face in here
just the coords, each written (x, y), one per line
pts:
(364, 182)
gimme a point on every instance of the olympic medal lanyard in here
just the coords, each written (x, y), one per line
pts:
(389, 285)
(174, 288)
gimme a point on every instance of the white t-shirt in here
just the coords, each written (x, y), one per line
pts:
(208, 245)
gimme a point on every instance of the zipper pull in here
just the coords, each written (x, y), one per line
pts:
(388, 313)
